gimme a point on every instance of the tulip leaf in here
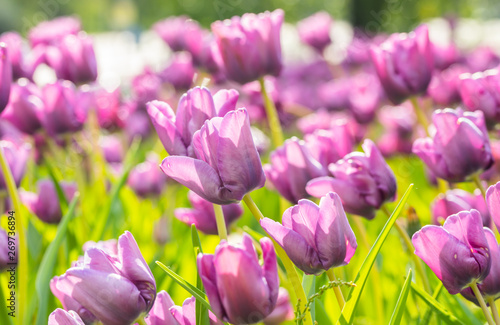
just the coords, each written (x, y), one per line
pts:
(347, 315)
(199, 295)
(397, 314)
(444, 314)
(46, 269)
(201, 311)
(435, 295)
(309, 285)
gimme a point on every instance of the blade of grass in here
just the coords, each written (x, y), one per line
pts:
(435, 295)
(60, 193)
(397, 315)
(347, 315)
(45, 272)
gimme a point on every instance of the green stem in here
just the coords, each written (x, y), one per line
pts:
(272, 116)
(140, 320)
(421, 118)
(221, 223)
(494, 309)
(418, 264)
(477, 181)
(22, 261)
(338, 293)
(287, 263)
(479, 298)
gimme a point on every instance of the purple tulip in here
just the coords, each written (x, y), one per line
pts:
(445, 55)
(316, 238)
(315, 30)
(137, 124)
(460, 146)
(160, 312)
(239, 290)
(5, 76)
(16, 154)
(45, 204)
(186, 315)
(146, 86)
(443, 88)
(114, 289)
(176, 130)
(5, 257)
(404, 64)
(363, 181)
(291, 167)
(493, 203)
(14, 43)
(481, 59)
(364, 97)
(329, 146)
(334, 94)
(112, 148)
(180, 73)
(203, 216)
(110, 113)
(458, 253)
(180, 33)
(456, 200)
(481, 91)
(146, 179)
(398, 121)
(63, 317)
(282, 312)
(53, 31)
(248, 47)
(323, 120)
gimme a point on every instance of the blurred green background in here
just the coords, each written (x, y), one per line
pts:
(137, 15)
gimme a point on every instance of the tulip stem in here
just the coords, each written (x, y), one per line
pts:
(338, 293)
(140, 320)
(479, 298)
(421, 118)
(418, 265)
(272, 116)
(22, 259)
(287, 263)
(477, 181)
(494, 310)
(221, 222)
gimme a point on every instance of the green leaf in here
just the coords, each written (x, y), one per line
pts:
(309, 285)
(444, 314)
(397, 314)
(435, 295)
(60, 193)
(201, 311)
(45, 272)
(199, 295)
(347, 316)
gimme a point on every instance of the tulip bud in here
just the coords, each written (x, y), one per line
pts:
(282, 312)
(112, 148)
(53, 31)
(14, 43)
(146, 87)
(226, 276)
(146, 179)
(481, 59)
(63, 317)
(180, 73)
(5, 76)
(329, 146)
(444, 86)
(456, 200)
(180, 33)
(315, 30)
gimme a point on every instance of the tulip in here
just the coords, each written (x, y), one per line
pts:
(25, 107)
(316, 238)
(248, 47)
(5, 76)
(195, 107)
(45, 204)
(364, 97)
(63, 317)
(146, 86)
(227, 166)
(315, 30)
(137, 124)
(239, 290)
(160, 313)
(363, 181)
(146, 179)
(53, 31)
(292, 166)
(329, 146)
(180, 72)
(180, 33)
(445, 55)
(112, 148)
(203, 216)
(493, 203)
(114, 289)
(14, 43)
(458, 253)
(404, 64)
(481, 59)
(443, 88)
(460, 146)
(282, 312)
(398, 121)
(110, 112)
(456, 200)
(186, 315)
(16, 154)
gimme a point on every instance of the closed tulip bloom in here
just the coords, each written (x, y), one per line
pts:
(460, 146)
(282, 312)
(481, 59)
(186, 315)
(114, 289)
(146, 179)
(25, 107)
(292, 166)
(493, 203)
(239, 290)
(316, 238)
(110, 111)
(329, 146)
(112, 148)
(227, 165)
(146, 86)
(248, 47)
(363, 181)
(315, 30)
(160, 312)
(398, 123)
(5, 76)
(14, 42)
(16, 154)
(180, 33)
(45, 204)
(53, 31)
(63, 317)
(443, 88)
(364, 97)
(404, 64)
(203, 216)
(445, 55)
(176, 130)
(458, 253)
(456, 200)
(180, 73)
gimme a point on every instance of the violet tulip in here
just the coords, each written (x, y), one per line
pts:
(315, 30)
(19, 67)
(176, 130)
(282, 312)
(291, 167)
(160, 312)
(146, 179)
(248, 47)
(202, 214)
(180, 73)
(239, 290)
(5, 76)
(481, 59)
(114, 289)
(16, 154)
(404, 64)
(363, 181)
(493, 203)
(460, 146)
(146, 87)
(443, 88)
(398, 123)
(112, 148)
(180, 33)
(456, 200)
(63, 317)
(316, 238)
(53, 31)
(45, 203)
(186, 315)
(458, 252)
(329, 146)
(227, 166)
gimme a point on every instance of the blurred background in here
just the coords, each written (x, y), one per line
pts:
(137, 15)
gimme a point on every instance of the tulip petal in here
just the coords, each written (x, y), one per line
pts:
(270, 268)
(206, 269)
(304, 217)
(163, 119)
(225, 101)
(493, 201)
(160, 313)
(63, 317)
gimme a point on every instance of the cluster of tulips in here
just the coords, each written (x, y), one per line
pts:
(221, 107)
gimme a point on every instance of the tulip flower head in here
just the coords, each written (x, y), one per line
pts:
(186, 315)
(63, 317)
(316, 238)
(5, 76)
(456, 200)
(146, 179)
(315, 30)
(240, 290)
